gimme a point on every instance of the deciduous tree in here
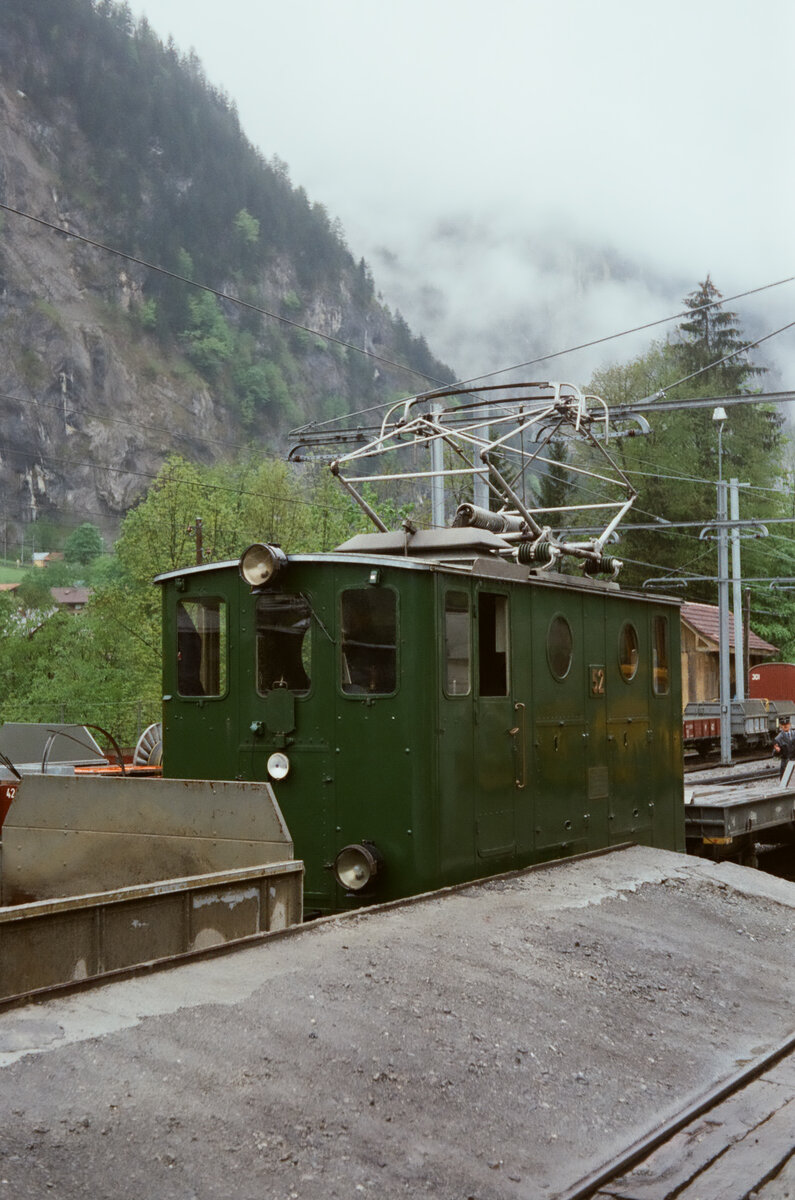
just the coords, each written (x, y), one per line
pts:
(84, 544)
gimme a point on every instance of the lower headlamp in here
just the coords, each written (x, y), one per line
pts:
(278, 765)
(356, 866)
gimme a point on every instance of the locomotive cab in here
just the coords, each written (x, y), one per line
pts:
(426, 712)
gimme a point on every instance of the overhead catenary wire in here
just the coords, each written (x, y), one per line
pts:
(663, 526)
(37, 456)
(262, 496)
(359, 350)
(104, 418)
(138, 261)
(687, 312)
(233, 299)
(726, 358)
(206, 287)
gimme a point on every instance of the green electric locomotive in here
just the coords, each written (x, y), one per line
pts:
(426, 719)
(430, 706)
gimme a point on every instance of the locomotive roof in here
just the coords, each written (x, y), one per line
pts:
(440, 544)
(484, 565)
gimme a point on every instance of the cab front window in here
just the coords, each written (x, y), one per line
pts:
(369, 641)
(284, 651)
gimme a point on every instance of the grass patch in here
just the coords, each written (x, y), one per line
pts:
(12, 574)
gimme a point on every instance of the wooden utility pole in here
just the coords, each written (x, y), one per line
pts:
(199, 542)
(196, 530)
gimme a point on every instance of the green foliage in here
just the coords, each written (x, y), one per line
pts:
(555, 485)
(247, 228)
(292, 304)
(675, 469)
(63, 574)
(84, 544)
(49, 533)
(708, 337)
(78, 667)
(208, 340)
(103, 664)
(773, 618)
(155, 535)
(102, 571)
(147, 314)
(34, 590)
(262, 392)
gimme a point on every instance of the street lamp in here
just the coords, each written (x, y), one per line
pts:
(719, 417)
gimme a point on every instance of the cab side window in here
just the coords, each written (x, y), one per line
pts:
(661, 681)
(493, 644)
(628, 656)
(284, 652)
(201, 647)
(457, 677)
(560, 646)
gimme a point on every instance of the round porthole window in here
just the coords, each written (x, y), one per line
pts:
(628, 651)
(560, 645)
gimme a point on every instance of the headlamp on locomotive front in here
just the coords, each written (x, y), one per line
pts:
(356, 866)
(278, 766)
(260, 564)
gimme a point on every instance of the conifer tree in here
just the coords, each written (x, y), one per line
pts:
(710, 336)
(676, 467)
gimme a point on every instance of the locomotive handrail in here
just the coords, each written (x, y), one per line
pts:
(521, 729)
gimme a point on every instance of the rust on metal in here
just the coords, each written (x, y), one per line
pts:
(53, 943)
(67, 836)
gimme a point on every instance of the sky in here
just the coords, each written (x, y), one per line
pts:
(525, 175)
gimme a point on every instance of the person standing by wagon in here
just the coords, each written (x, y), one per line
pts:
(784, 744)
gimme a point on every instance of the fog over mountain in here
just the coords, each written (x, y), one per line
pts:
(526, 177)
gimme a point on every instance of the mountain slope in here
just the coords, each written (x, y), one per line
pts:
(107, 366)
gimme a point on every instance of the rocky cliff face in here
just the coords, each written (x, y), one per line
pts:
(91, 402)
(90, 406)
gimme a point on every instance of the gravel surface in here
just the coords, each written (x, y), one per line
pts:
(499, 1041)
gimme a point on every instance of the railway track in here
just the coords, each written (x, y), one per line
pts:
(694, 763)
(735, 1142)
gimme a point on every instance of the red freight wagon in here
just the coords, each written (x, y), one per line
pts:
(8, 791)
(772, 681)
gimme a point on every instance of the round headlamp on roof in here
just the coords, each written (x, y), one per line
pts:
(260, 563)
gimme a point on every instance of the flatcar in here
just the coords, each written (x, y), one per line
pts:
(426, 711)
(754, 724)
(754, 721)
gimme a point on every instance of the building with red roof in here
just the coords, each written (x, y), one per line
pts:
(700, 651)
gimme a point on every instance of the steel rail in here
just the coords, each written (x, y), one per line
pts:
(644, 1146)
